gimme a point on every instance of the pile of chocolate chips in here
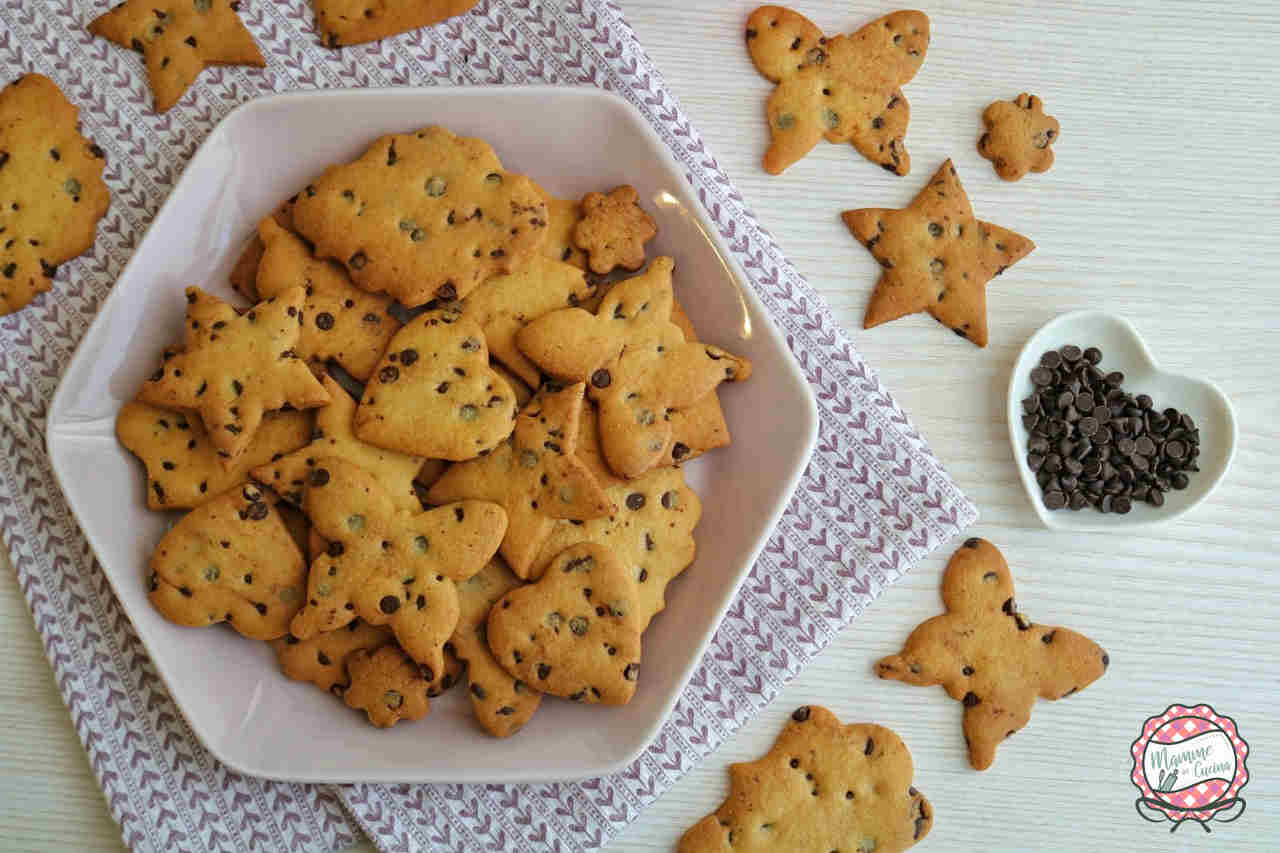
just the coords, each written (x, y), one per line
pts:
(1093, 444)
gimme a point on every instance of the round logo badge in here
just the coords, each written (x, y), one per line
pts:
(1189, 765)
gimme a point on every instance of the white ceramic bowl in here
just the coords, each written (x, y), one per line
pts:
(230, 689)
(1123, 349)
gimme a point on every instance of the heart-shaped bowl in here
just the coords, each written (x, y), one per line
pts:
(1124, 350)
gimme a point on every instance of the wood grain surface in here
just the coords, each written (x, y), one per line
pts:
(1163, 206)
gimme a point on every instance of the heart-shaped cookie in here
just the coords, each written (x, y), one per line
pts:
(576, 632)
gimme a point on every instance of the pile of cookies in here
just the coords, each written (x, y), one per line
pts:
(444, 434)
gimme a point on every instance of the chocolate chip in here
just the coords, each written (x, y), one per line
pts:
(319, 477)
(389, 374)
(324, 321)
(601, 378)
(971, 699)
(389, 604)
(635, 500)
(801, 714)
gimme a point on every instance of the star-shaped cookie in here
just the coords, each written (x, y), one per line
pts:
(387, 566)
(51, 189)
(536, 476)
(990, 657)
(334, 435)
(178, 38)
(236, 368)
(843, 88)
(937, 257)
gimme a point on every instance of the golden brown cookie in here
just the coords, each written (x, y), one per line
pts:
(937, 257)
(536, 476)
(388, 566)
(178, 38)
(613, 230)
(823, 787)
(843, 88)
(230, 560)
(334, 436)
(244, 275)
(701, 426)
(387, 685)
(563, 216)
(990, 657)
(502, 704)
(344, 22)
(235, 368)
(576, 632)
(422, 216)
(637, 362)
(1018, 137)
(343, 323)
(434, 394)
(51, 189)
(505, 304)
(184, 469)
(321, 659)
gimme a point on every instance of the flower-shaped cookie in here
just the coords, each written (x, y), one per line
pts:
(613, 230)
(1018, 137)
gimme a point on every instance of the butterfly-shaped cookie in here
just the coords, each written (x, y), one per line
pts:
(843, 88)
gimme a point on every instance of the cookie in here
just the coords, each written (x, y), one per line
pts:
(505, 304)
(51, 189)
(613, 230)
(230, 560)
(536, 476)
(502, 704)
(387, 685)
(297, 524)
(184, 469)
(843, 88)
(244, 275)
(387, 566)
(651, 532)
(344, 22)
(1018, 137)
(637, 362)
(334, 436)
(576, 632)
(178, 38)
(422, 216)
(563, 216)
(235, 368)
(321, 660)
(823, 787)
(699, 427)
(343, 323)
(434, 394)
(989, 656)
(522, 391)
(936, 256)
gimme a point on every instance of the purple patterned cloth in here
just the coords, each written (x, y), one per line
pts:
(872, 503)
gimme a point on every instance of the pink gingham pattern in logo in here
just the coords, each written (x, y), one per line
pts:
(1189, 764)
(873, 502)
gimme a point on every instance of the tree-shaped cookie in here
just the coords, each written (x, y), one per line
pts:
(387, 685)
(937, 257)
(613, 230)
(236, 368)
(1017, 137)
(344, 22)
(51, 189)
(434, 394)
(343, 323)
(230, 560)
(823, 787)
(502, 704)
(334, 436)
(388, 566)
(637, 362)
(576, 632)
(843, 88)
(650, 531)
(184, 469)
(422, 216)
(505, 304)
(536, 476)
(990, 657)
(178, 38)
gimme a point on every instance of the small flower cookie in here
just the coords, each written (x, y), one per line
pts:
(1018, 137)
(613, 230)
(387, 685)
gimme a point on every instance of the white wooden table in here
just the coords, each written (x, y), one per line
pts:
(1164, 206)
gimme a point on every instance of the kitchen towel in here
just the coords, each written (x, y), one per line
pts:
(872, 502)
